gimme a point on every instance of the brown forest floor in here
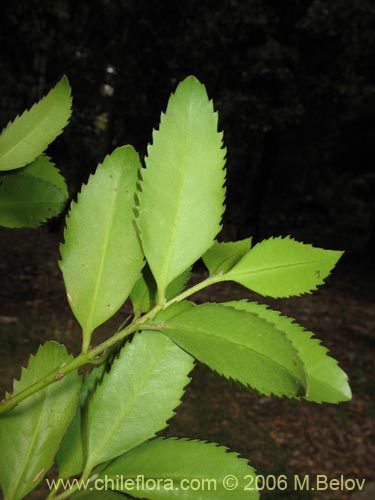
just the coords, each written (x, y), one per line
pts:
(278, 436)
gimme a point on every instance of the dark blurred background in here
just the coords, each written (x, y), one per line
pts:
(293, 82)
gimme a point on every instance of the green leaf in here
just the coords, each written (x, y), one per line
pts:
(101, 256)
(30, 134)
(44, 169)
(176, 286)
(137, 397)
(71, 455)
(182, 195)
(238, 345)
(32, 194)
(144, 293)
(190, 470)
(98, 495)
(31, 433)
(281, 267)
(326, 382)
(221, 257)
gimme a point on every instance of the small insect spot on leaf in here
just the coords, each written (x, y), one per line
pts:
(59, 376)
(317, 274)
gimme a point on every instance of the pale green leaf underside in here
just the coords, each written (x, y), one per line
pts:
(281, 267)
(29, 134)
(221, 257)
(32, 194)
(137, 397)
(184, 462)
(182, 195)
(101, 256)
(326, 382)
(238, 345)
(70, 457)
(31, 433)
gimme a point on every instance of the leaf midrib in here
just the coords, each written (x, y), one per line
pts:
(30, 131)
(324, 383)
(87, 329)
(233, 272)
(27, 204)
(166, 265)
(127, 408)
(31, 447)
(43, 181)
(305, 337)
(206, 334)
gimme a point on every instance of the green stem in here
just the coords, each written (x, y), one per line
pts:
(82, 359)
(90, 356)
(67, 493)
(52, 493)
(86, 339)
(84, 480)
(194, 289)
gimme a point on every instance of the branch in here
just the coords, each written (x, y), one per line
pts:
(91, 356)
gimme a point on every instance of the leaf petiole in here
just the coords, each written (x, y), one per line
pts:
(91, 356)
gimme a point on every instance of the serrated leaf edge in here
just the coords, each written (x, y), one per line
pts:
(155, 132)
(309, 335)
(232, 379)
(173, 411)
(26, 111)
(228, 276)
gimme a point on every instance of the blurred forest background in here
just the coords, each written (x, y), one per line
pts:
(293, 82)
